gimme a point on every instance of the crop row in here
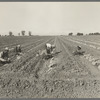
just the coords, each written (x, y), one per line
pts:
(13, 41)
(77, 66)
(26, 57)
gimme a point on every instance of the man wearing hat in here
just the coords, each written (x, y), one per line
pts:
(4, 56)
(18, 50)
(49, 50)
(78, 51)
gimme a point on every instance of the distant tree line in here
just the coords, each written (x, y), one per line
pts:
(71, 34)
(96, 33)
(23, 33)
(78, 34)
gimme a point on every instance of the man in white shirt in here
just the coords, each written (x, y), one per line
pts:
(49, 49)
(4, 56)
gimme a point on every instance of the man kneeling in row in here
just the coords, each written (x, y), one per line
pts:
(18, 50)
(49, 50)
(78, 51)
(4, 56)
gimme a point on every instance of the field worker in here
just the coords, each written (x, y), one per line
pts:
(52, 49)
(53, 46)
(18, 50)
(79, 48)
(49, 50)
(79, 51)
(4, 56)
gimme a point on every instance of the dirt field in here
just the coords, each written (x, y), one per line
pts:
(63, 76)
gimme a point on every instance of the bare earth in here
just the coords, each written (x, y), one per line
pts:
(63, 76)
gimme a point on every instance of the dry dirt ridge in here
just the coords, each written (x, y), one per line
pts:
(63, 76)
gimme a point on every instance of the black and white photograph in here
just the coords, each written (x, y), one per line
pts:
(49, 49)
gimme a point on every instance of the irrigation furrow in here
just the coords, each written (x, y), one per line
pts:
(76, 60)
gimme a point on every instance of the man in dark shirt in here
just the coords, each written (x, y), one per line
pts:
(18, 50)
(78, 51)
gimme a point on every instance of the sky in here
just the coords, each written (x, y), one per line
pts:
(49, 18)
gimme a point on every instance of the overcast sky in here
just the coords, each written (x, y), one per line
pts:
(49, 17)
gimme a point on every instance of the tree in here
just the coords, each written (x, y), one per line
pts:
(19, 34)
(79, 34)
(91, 33)
(70, 34)
(10, 33)
(23, 33)
(29, 33)
(96, 33)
